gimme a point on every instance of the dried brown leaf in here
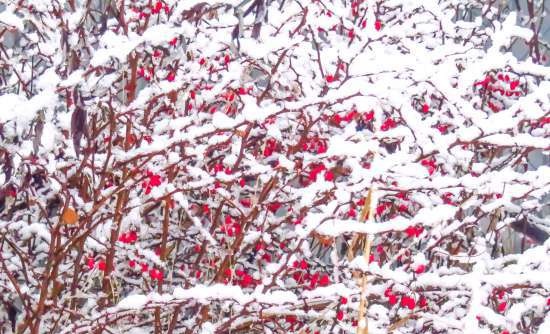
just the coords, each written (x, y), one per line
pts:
(69, 216)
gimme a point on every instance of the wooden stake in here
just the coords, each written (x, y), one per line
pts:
(367, 214)
(363, 324)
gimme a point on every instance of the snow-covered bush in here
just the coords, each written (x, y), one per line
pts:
(265, 166)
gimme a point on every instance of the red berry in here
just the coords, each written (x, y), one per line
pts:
(273, 207)
(290, 319)
(132, 236)
(330, 78)
(422, 302)
(324, 281)
(442, 128)
(336, 119)
(91, 263)
(411, 231)
(369, 116)
(157, 8)
(425, 108)
(298, 277)
(380, 209)
(322, 148)
(350, 116)
(420, 269)
(156, 274)
(389, 123)
(411, 304)
(102, 265)
(371, 258)
(502, 307)
(123, 238)
(408, 302)
(378, 25)
(340, 315)
(392, 299)
(246, 280)
(343, 300)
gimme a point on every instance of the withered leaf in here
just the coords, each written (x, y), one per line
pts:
(8, 166)
(69, 216)
(78, 127)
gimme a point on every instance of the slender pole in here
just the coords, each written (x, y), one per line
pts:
(367, 214)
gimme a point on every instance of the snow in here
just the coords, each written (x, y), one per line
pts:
(8, 18)
(222, 121)
(133, 302)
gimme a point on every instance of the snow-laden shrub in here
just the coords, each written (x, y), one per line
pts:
(258, 166)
